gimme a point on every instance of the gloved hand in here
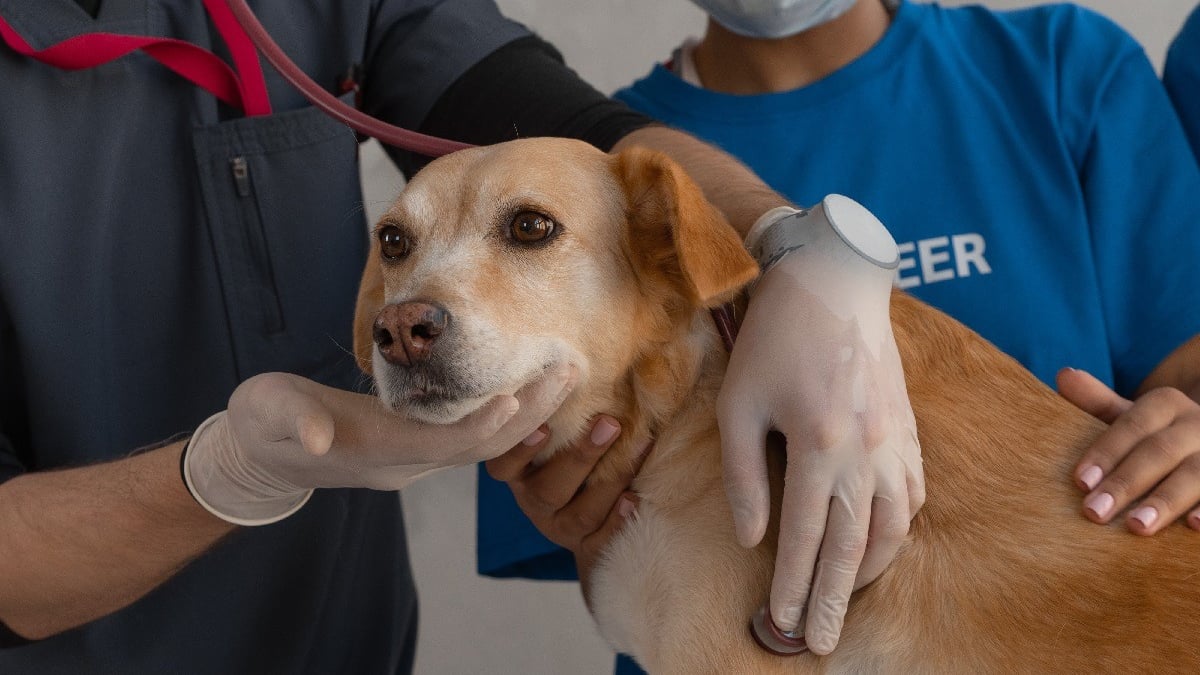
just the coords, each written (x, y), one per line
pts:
(283, 435)
(816, 359)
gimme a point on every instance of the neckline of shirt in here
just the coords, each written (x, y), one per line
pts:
(694, 101)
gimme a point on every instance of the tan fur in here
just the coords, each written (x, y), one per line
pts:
(1000, 572)
(370, 301)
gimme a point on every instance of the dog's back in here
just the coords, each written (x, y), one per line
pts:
(1001, 572)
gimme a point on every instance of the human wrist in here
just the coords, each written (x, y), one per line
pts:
(837, 227)
(230, 485)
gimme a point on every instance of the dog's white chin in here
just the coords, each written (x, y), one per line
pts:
(444, 413)
(443, 410)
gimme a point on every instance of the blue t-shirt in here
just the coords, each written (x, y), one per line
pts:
(1029, 163)
(1181, 75)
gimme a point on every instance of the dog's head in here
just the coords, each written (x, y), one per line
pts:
(496, 262)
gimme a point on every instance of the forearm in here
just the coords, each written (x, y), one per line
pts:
(1181, 370)
(78, 544)
(727, 183)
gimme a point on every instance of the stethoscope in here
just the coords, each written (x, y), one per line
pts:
(241, 86)
(361, 122)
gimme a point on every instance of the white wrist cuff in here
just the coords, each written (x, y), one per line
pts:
(784, 229)
(267, 511)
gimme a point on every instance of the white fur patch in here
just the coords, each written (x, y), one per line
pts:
(631, 583)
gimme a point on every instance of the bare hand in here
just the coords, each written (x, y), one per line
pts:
(1151, 452)
(577, 514)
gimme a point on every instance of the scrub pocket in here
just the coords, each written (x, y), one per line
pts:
(285, 219)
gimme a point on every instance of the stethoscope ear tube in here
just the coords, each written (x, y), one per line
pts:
(430, 146)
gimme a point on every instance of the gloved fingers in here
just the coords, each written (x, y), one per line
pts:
(475, 435)
(841, 554)
(891, 433)
(399, 477)
(495, 427)
(315, 429)
(914, 472)
(279, 407)
(802, 524)
(890, 520)
(538, 401)
(880, 414)
(744, 461)
(906, 475)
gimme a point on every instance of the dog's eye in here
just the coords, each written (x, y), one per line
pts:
(530, 227)
(393, 242)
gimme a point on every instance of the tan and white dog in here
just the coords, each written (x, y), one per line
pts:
(498, 261)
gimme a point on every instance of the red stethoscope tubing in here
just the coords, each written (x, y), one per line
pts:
(361, 122)
(242, 86)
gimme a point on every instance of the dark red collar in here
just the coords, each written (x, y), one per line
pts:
(726, 319)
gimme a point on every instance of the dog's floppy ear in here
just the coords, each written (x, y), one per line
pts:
(674, 230)
(370, 301)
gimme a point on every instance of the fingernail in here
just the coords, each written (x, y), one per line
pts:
(1099, 504)
(533, 439)
(1194, 520)
(626, 507)
(604, 431)
(1091, 477)
(644, 447)
(1146, 515)
(788, 621)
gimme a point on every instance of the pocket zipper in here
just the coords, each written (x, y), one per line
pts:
(241, 175)
(256, 238)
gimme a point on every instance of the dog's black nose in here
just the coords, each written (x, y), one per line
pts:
(405, 332)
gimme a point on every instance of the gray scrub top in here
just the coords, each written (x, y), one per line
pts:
(156, 249)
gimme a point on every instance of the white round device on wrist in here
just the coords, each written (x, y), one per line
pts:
(861, 230)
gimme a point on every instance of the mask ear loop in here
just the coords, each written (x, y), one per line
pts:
(430, 146)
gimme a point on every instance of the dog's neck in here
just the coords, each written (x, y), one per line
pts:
(678, 373)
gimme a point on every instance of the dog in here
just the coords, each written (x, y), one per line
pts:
(497, 261)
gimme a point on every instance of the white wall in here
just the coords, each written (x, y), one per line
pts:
(475, 625)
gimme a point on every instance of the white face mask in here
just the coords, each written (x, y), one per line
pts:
(773, 18)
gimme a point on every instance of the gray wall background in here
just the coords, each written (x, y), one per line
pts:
(474, 625)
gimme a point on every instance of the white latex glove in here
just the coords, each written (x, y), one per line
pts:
(816, 359)
(258, 461)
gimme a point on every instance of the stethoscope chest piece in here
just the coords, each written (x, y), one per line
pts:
(771, 638)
